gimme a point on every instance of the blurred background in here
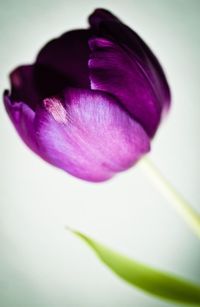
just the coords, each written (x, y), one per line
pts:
(43, 265)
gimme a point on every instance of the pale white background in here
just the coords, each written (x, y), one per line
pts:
(40, 263)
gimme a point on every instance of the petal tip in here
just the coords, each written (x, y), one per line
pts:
(100, 15)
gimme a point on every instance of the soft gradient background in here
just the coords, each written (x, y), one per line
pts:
(41, 264)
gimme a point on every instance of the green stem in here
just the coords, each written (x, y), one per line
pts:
(191, 217)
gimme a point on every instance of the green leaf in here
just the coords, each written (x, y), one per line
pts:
(153, 281)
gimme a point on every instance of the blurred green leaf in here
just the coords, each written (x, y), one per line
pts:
(153, 281)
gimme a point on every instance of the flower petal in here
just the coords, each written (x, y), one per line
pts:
(88, 135)
(108, 26)
(65, 58)
(32, 83)
(23, 86)
(114, 71)
(22, 117)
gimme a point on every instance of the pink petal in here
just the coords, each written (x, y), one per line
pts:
(88, 135)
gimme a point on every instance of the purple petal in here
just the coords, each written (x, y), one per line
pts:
(107, 25)
(22, 117)
(100, 15)
(23, 86)
(112, 70)
(88, 135)
(63, 62)
(32, 83)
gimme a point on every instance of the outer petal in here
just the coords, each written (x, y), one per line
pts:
(88, 135)
(22, 117)
(107, 25)
(31, 83)
(114, 71)
(63, 62)
(23, 86)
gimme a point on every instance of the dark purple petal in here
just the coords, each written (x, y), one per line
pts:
(88, 135)
(22, 117)
(107, 25)
(100, 15)
(63, 62)
(112, 70)
(32, 83)
(23, 86)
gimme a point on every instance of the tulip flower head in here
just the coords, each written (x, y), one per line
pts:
(92, 101)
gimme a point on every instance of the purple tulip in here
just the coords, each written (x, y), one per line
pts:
(92, 101)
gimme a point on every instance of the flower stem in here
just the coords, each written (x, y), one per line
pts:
(191, 217)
